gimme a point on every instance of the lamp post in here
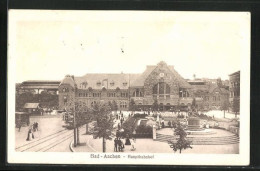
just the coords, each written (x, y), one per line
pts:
(74, 125)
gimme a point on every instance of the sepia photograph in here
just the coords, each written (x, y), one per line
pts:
(128, 87)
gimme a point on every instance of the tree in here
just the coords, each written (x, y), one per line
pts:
(82, 116)
(132, 105)
(182, 142)
(129, 126)
(236, 105)
(104, 118)
(224, 105)
(23, 98)
(155, 105)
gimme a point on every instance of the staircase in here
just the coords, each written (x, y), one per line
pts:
(233, 139)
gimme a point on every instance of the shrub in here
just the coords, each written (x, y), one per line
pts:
(129, 126)
(144, 131)
(138, 115)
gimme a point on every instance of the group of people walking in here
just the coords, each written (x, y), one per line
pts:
(32, 129)
(119, 144)
(119, 141)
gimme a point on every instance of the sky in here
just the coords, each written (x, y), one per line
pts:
(47, 45)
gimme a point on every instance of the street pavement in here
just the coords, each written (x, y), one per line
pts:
(51, 134)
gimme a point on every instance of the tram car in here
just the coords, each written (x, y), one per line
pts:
(69, 123)
(22, 118)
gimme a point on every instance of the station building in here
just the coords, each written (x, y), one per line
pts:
(159, 82)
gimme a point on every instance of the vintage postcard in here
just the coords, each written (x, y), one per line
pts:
(128, 87)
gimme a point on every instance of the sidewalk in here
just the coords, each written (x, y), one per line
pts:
(150, 146)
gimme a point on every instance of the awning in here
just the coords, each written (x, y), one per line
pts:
(31, 105)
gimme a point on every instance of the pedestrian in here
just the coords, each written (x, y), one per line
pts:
(122, 115)
(115, 144)
(36, 126)
(121, 121)
(133, 144)
(127, 141)
(121, 145)
(30, 135)
(33, 127)
(19, 126)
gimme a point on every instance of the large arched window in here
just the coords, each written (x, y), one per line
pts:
(161, 90)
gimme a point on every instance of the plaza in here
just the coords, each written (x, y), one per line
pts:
(52, 136)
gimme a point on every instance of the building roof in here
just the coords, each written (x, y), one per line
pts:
(212, 87)
(41, 82)
(31, 105)
(181, 80)
(21, 113)
(141, 79)
(68, 80)
(235, 73)
(121, 81)
(215, 86)
(109, 81)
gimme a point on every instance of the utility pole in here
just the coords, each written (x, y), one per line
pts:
(74, 125)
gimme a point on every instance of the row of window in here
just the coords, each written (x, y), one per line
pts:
(99, 95)
(161, 96)
(122, 104)
(216, 98)
(85, 84)
(235, 84)
(234, 94)
(183, 93)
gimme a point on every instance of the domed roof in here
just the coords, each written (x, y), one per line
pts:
(68, 80)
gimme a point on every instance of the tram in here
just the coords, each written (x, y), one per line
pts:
(68, 117)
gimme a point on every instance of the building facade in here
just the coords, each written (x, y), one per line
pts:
(209, 95)
(234, 90)
(159, 83)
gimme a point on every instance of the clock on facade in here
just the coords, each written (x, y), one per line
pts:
(161, 74)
